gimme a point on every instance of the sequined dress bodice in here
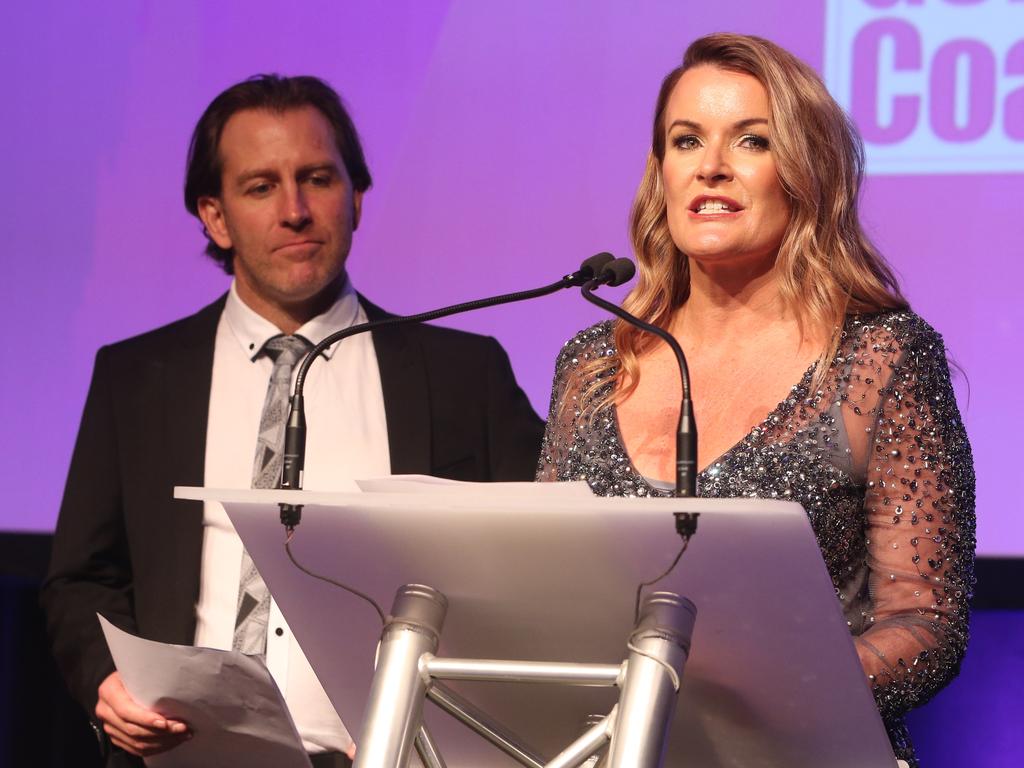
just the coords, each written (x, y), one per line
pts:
(877, 456)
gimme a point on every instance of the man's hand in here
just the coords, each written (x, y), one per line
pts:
(137, 730)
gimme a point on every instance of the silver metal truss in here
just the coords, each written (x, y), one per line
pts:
(587, 749)
(478, 721)
(427, 749)
(395, 709)
(632, 735)
(523, 671)
(658, 649)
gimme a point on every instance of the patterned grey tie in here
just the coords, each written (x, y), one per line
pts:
(253, 595)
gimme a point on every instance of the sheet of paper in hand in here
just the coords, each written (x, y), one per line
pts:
(228, 699)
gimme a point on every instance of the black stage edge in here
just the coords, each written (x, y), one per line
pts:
(999, 584)
(24, 555)
(40, 725)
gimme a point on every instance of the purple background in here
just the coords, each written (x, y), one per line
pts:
(506, 141)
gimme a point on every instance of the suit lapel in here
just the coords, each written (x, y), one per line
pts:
(185, 379)
(403, 378)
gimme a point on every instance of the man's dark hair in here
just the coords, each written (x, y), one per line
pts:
(276, 94)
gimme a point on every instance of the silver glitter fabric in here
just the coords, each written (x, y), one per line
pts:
(878, 458)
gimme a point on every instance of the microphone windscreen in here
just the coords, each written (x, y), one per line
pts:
(593, 266)
(619, 271)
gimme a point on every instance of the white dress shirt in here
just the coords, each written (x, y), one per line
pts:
(346, 439)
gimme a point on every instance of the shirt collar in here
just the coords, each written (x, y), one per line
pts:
(252, 331)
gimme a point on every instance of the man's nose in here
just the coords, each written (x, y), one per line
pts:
(295, 211)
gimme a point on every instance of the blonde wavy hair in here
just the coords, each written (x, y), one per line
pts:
(826, 266)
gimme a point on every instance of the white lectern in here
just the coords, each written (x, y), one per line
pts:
(534, 573)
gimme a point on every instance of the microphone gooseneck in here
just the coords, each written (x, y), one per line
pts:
(617, 272)
(295, 431)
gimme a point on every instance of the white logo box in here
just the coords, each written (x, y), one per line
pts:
(935, 86)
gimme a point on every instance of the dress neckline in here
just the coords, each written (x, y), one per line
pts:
(784, 408)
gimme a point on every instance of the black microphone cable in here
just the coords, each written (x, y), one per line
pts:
(617, 272)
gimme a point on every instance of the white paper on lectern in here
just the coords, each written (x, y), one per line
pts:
(228, 699)
(467, 489)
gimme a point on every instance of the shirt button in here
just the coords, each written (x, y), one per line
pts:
(278, 631)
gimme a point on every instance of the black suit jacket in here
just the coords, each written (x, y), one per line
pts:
(125, 548)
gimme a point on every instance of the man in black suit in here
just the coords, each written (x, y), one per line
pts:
(276, 175)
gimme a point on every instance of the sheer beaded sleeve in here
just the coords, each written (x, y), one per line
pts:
(564, 442)
(555, 441)
(918, 512)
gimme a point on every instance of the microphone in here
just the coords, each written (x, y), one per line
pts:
(295, 430)
(591, 268)
(616, 272)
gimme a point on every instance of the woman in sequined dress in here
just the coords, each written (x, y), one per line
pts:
(812, 379)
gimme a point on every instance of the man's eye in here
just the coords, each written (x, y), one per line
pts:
(258, 189)
(320, 181)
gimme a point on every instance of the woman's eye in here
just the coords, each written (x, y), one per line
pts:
(686, 141)
(753, 141)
